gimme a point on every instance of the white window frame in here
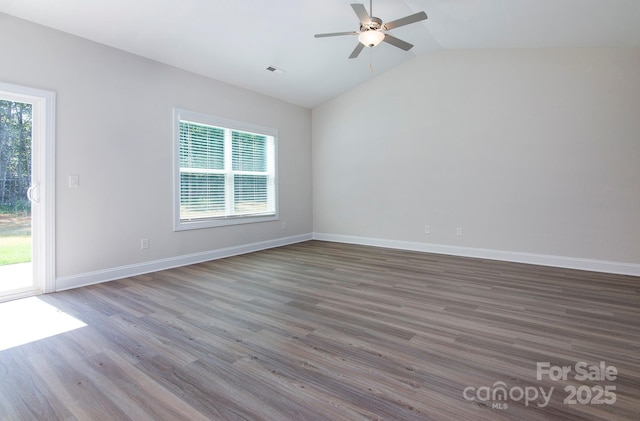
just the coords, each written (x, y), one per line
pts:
(191, 116)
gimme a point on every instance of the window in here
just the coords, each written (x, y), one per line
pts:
(225, 171)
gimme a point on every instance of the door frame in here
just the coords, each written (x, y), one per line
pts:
(43, 175)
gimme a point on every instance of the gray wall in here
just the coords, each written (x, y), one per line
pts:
(529, 151)
(114, 130)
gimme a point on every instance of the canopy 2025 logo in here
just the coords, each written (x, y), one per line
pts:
(599, 394)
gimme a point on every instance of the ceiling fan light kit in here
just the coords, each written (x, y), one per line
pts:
(371, 29)
(370, 38)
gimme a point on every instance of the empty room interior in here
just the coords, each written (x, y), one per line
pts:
(238, 210)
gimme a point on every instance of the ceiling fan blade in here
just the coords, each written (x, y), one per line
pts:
(357, 50)
(416, 17)
(397, 42)
(335, 34)
(361, 11)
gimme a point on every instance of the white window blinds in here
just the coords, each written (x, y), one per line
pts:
(224, 173)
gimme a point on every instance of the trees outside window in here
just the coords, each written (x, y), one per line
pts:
(15, 156)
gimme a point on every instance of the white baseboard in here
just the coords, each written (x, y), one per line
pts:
(632, 269)
(74, 281)
(90, 278)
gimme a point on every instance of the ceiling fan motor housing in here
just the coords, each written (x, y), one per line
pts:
(374, 24)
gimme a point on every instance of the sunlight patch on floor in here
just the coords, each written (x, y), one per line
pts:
(15, 277)
(31, 319)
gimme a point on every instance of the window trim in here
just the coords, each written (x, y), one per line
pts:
(186, 115)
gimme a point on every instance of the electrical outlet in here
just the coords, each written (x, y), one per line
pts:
(74, 181)
(427, 229)
(459, 231)
(144, 244)
(284, 225)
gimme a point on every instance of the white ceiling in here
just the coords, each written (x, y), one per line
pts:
(235, 40)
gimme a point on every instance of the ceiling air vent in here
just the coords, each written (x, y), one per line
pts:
(275, 70)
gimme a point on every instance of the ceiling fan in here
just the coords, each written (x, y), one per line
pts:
(371, 29)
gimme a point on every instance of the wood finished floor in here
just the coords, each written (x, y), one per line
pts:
(327, 331)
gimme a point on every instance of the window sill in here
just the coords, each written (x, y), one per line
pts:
(221, 222)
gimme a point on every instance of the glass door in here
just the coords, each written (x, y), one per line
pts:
(26, 187)
(16, 269)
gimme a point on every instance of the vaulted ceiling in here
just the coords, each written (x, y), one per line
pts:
(235, 41)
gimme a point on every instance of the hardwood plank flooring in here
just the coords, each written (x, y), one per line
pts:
(327, 331)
